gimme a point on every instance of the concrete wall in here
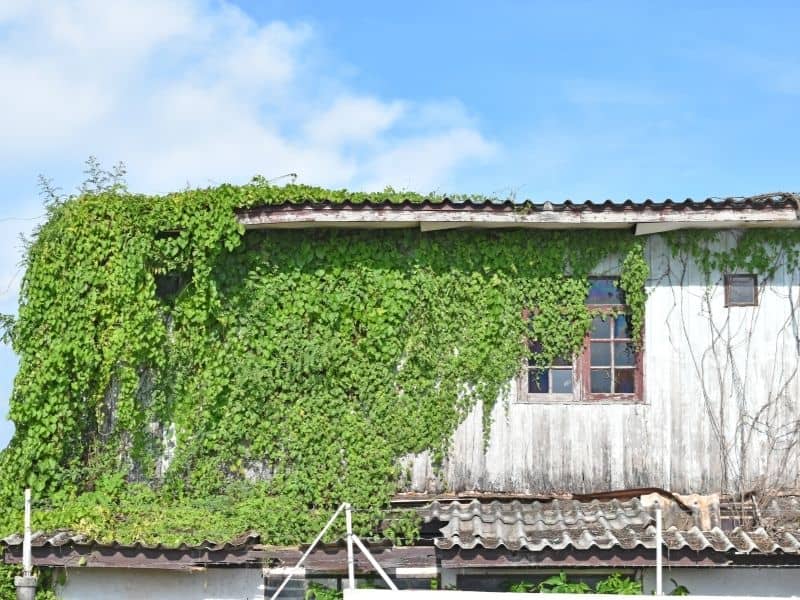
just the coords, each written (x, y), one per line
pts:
(150, 584)
(721, 409)
(783, 581)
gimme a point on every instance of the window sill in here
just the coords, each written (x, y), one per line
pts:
(572, 400)
(546, 399)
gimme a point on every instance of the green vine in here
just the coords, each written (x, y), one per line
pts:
(182, 380)
(761, 251)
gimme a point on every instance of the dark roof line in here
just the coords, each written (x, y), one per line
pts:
(761, 201)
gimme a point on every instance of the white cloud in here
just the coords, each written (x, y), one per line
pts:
(354, 119)
(197, 92)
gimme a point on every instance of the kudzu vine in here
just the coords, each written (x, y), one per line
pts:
(181, 379)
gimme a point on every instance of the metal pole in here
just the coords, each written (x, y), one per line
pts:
(27, 562)
(374, 563)
(351, 573)
(25, 584)
(307, 552)
(659, 541)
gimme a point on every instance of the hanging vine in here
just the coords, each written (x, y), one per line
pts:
(181, 379)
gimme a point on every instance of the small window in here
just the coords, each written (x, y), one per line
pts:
(553, 378)
(741, 290)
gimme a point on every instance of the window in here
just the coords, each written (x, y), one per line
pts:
(555, 378)
(609, 368)
(612, 356)
(741, 290)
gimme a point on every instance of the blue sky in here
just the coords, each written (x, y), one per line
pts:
(536, 100)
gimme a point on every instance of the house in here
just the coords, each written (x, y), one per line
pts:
(684, 399)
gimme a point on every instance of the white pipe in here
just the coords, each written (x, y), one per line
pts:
(307, 552)
(374, 563)
(659, 541)
(351, 571)
(27, 561)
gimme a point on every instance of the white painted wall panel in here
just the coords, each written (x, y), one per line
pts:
(721, 410)
(729, 581)
(149, 584)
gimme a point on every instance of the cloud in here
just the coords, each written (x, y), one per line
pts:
(198, 92)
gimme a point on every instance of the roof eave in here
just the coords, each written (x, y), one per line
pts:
(645, 220)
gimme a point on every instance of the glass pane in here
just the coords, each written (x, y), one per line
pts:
(601, 380)
(624, 354)
(622, 326)
(537, 381)
(601, 328)
(741, 290)
(601, 354)
(560, 361)
(562, 380)
(604, 291)
(624, 381)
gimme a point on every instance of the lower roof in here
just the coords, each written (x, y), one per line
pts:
(696, 523)
(609, 531)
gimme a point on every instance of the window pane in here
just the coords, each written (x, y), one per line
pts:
(562, 380)
(604, 291)
(624, 381)
(560, 361)
(601, 354)
(537, 381)
(741, 290)
(601, 328)
(601, 380)
(622, 326)
(624, 354)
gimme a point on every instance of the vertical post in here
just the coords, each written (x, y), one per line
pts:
(659, 543)
(26, 583)
(27, 562)
(351, 576)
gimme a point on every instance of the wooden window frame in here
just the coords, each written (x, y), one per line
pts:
(728, 281)
(581, 370)
(525, 396)
(584, 364)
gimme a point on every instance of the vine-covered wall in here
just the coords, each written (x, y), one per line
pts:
(180, 379)
(720, 411)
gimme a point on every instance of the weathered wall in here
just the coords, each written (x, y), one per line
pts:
(149, 584)
(774, 582)
(721, 410)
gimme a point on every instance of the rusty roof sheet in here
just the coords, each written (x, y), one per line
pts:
(572, 524)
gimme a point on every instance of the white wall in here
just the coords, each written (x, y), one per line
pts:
(450, 595)
(152, 584)
(768, 581)
(720, 411)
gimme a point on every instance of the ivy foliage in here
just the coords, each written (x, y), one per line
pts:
(761, 251)
(183, 380)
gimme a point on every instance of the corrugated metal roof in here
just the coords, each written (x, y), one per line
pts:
(571, 524)
(762, 201)
(69, 538)
(692, 522)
